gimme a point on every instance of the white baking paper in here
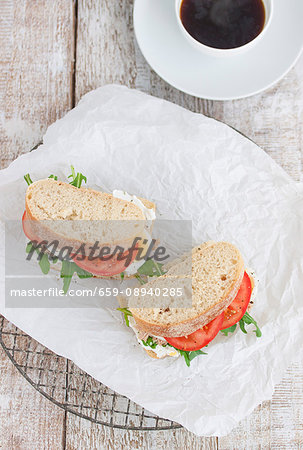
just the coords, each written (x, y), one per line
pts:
(192, 167)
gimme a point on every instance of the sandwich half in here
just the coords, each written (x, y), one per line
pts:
(180, 312)
(103, 232)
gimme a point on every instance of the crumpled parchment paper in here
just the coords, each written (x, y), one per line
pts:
(193, 168)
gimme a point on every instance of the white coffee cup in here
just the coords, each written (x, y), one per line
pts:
(268, 5)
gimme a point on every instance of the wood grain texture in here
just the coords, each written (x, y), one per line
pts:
(36, 73)
(36, 70)
(274, 424)
(103, 54)
(84, 434)
(27, 419)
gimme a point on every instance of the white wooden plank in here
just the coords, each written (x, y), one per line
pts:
(36, 66)
(84, 434)
(274, 424)
(105, 48)
(36, 72)
(27, 419)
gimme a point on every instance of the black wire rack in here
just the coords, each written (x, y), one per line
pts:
(72, 389)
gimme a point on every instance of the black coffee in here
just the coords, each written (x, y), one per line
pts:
(223, 23)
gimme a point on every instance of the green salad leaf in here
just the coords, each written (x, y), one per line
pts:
(140, 279)
(67, 271)
(229, 330)
(246, 320)
(44, 264)
(150, 342)
(126, 313)
(189, 356)
(44, 259)
(28, 179)
(151, 269)
(77, 178)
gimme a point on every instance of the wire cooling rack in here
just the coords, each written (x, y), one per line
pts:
(73, 390)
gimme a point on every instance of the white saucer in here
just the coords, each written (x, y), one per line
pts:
(190, 71)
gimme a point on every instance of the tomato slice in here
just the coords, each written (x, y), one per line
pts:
(27, 229)
(238, 307)
(199, 338)
(111, 267)
(97, 267)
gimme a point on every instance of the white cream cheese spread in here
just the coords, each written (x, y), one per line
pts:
(159, 350)
(149, 213)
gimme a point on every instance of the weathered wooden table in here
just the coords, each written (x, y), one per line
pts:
(51, 53)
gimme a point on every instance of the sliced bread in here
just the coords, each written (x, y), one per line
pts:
(58, 210)
(214, 271)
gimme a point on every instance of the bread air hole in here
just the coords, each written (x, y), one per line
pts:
(223, 277)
